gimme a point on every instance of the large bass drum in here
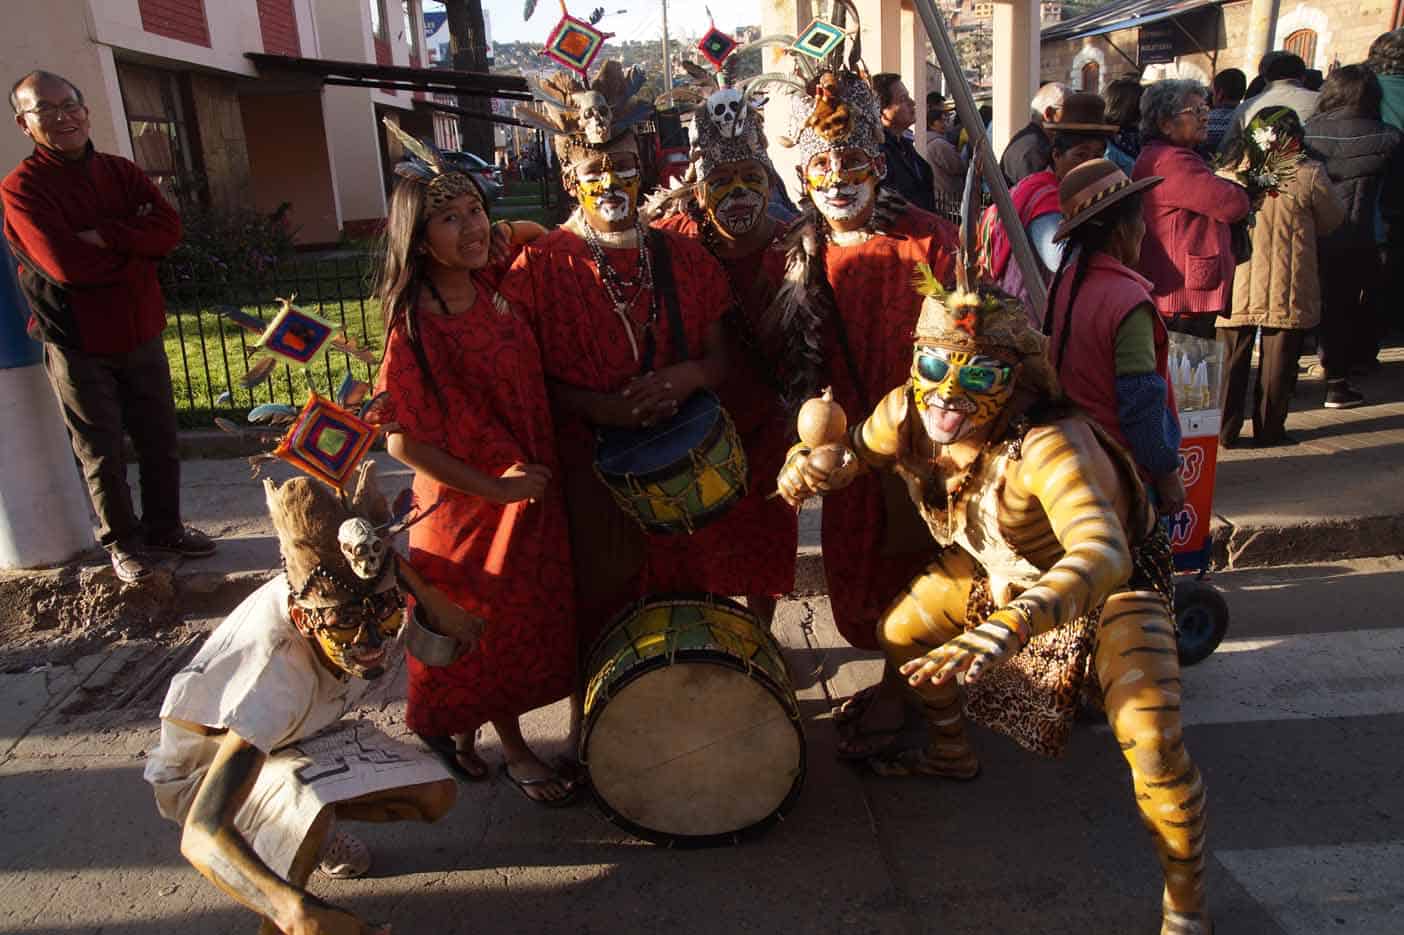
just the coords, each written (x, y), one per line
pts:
(692, 734)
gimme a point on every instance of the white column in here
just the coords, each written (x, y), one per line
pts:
(914, 54)
(1016, 61)
(1262, 23)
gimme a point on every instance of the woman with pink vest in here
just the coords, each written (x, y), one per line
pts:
(1107, 342)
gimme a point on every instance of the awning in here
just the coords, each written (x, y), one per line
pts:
(396, 77)
(1122, 16)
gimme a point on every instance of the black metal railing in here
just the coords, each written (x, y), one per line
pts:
(209, 354)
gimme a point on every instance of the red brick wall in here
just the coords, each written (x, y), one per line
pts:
(278, 23)
(176, 19)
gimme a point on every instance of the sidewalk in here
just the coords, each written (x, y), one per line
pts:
(1338, 494)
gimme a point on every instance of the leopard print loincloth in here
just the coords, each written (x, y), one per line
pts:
(1033, 697)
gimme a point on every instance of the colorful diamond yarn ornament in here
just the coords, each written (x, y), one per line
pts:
(326, 441)
(818, 39)
(716, 46)
(575, 43)
(296, 336)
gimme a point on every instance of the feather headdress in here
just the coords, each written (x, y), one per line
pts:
(580, 117)
(444, 179)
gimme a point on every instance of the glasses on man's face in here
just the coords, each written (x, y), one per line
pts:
(47, 111)
(1199, 111)
(976, 378)
(344, 622)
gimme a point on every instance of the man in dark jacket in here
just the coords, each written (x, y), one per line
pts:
(1031, 149)
(88, 229)
(907, 173)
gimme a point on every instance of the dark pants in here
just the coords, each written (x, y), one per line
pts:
(1277, 377)
(102, 395)
(1351, 322)
(1198, 326)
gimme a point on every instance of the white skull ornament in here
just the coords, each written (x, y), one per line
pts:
(362, 546)
(725, 107)
(596, 116)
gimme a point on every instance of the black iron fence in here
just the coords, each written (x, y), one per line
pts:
(209, 353)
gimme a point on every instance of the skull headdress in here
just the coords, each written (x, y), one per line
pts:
(581, 118)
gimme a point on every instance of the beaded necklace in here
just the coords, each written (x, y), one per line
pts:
(616, 285)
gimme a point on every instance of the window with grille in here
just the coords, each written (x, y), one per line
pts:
(1303, 43)
(160, 135)
(1092, 77)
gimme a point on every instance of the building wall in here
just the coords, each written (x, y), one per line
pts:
(232, 28)
(288, 155)
(353, 136)
(1344, 28)
(176, 19)
(277, 21)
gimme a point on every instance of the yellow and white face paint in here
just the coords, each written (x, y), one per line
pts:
(734, 196)
(843, 184)
(607, 187)
(958, 392)
(355, 637)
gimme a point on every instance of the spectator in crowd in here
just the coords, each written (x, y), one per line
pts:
(963, 142)
(1387, 62)
(1359, 151)
(1187, 253)
(1314, 79)
(1030, 149)
(1278, 290)
(1110, 348)
(1080, 134)
(1228, 90)
(947, 168)
(1282, 74)
(88, 229)
(1124, 110)
(907, 173)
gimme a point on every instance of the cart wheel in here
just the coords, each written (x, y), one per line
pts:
(1201, 620)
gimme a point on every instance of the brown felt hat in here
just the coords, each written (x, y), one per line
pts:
(1083, 112)
(1093, 187)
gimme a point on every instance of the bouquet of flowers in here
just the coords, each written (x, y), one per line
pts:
(1270, 155)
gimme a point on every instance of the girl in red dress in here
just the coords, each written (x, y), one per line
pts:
(468, 411)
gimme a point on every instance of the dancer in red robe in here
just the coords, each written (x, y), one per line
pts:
(596, 293)
(751, 550)
(468, 411)
(868, 247)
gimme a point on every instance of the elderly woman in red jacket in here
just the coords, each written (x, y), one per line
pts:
(1186, 255)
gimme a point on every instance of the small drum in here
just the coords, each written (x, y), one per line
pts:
(678, 476)
(692, 735)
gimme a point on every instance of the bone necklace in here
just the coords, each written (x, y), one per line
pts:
(615, 285)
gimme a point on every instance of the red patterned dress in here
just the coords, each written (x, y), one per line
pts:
(750, 550)
(584, 344)
(508, 564)
(872, 283)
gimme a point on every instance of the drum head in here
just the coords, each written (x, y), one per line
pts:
(697, 749)
(641, 451)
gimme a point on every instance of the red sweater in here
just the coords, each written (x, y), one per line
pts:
(1186, 253)
(98, 300)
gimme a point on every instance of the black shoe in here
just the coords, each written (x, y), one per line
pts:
(1232, 443)
(129, 566)
(188, 543)
(1341, 395)
(1276, 441)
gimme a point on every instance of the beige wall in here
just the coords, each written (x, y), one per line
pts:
(57, 40)
(233, 26)
(343, 30)
(287, 148)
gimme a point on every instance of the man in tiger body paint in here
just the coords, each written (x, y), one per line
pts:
(847, 313)
(1048, 538)
(751, 550)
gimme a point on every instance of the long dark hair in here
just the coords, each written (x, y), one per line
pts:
(1088, 238)
(1353, 89)
(401, 281)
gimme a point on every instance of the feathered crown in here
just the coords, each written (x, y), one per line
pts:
(443, 178)
(837, 107)
(586, 118)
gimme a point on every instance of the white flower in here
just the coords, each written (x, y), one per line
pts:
(1264, 137)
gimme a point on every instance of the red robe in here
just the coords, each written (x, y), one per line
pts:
(872, 283)
(509, 564)
(584, 344)
(750, 550)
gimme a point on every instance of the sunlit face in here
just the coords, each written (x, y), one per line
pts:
(52, 116)
(843, 184)
(354, 638)
(735, 196)
(957, 392)
(1064, 161)
(607, 186)
(458, 234)
(1188, 126)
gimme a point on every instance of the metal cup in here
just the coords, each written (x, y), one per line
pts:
(429, 647)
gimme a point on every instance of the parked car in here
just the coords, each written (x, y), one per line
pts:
(488, 175)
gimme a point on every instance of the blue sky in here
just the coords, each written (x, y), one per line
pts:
(643, 19)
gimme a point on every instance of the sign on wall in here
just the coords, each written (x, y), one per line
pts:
(1157, 44)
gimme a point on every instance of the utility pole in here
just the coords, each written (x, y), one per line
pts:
(667, 60)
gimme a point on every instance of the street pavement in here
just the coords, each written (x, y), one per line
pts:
(1295, 723)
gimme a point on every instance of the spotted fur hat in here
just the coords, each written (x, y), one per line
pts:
(839, 109)
(443, 178)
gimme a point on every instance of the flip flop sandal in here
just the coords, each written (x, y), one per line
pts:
(447, 751)
(524, 785)
(913, 761)
(854, 706)
(866, 744)
(571, 770)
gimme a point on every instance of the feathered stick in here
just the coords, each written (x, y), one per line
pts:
(795, 319)
(966, 254)
(425, 153)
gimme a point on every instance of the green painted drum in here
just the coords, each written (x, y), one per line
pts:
(692, 735)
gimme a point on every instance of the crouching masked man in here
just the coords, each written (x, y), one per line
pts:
(256, 761)
(1054, 579)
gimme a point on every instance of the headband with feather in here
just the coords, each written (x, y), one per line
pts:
(443, 178)
(582, 119)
